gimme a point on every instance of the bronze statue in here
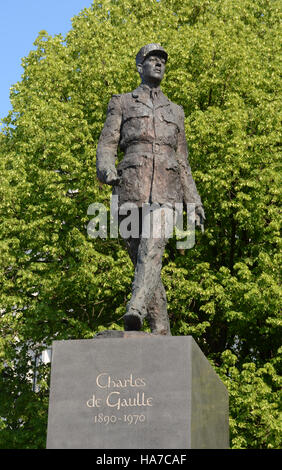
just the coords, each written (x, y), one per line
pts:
(149, 129)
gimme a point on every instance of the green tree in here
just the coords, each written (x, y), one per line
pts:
(57, 283)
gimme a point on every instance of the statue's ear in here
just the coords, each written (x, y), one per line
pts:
(140, 69)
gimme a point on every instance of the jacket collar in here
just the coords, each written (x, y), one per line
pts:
(142, 94)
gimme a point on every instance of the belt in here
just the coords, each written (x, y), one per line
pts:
(153, 147)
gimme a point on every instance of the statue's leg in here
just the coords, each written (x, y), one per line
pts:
(134, 320)
(146, 281)
(132, 245)
(157, 312)
(148, 293)
(157, 308)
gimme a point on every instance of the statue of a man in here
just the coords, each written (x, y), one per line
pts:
(149, 129)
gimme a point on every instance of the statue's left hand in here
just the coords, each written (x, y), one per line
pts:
(200, 217)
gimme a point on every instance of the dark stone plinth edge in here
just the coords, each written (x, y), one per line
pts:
(123, 334)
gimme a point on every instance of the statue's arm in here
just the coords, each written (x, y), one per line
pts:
(190, 193)
(108, 143)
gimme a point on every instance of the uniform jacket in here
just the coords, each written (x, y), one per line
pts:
(151, 134)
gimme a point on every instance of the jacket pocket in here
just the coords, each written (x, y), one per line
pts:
(129, 162)
(168, 116)
(135, 112)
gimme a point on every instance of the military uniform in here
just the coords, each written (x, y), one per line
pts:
(149, 129)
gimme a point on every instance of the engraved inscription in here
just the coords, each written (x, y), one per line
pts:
(106, 381)
(129, 419)
(116, 394)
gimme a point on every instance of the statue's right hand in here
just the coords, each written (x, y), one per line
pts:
(112, 177)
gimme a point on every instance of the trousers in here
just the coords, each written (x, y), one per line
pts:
(148, 298)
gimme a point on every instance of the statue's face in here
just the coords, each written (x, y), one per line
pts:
(153, 68)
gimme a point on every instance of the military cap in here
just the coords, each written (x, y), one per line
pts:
(149, 49)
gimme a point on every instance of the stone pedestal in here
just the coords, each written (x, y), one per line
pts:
(137, 391)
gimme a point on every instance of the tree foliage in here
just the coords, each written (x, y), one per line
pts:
(57, 283)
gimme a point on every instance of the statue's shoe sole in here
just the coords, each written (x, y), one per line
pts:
(132, 321)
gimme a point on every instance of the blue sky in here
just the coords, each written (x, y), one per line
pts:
(20, 23)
